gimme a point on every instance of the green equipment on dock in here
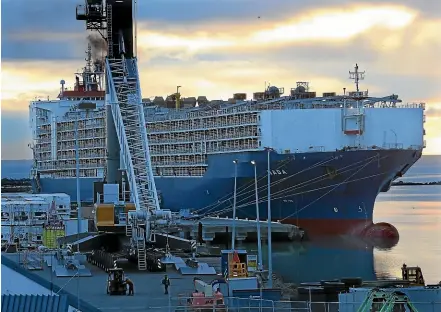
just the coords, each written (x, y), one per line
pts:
(383, 301)
(51, 233)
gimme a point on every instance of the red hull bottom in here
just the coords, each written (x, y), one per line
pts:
(327, 227)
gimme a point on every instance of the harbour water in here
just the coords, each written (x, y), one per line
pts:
(414, 210)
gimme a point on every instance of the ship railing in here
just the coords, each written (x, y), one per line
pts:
(44, 158)
(66, 147)
(393, 146)
(165, 129)
(282, 103)
(191, 137)
(190, 140)
(44, 140)
(43, 131)
(94, 136)
(177, 163)
(62, 166)
(316, 149)
(416, 147)
(411, 105)
(43, 150)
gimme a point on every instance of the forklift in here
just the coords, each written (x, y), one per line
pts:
(116, 284)
(413, 275)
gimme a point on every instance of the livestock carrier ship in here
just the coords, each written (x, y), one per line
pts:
(327, 157)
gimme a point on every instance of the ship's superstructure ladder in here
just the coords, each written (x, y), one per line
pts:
(384, 301)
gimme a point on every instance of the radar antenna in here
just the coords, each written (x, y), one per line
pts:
(357, 76)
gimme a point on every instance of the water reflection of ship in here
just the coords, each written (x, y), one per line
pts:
(324, 260)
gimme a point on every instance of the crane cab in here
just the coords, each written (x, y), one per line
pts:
(413, 274)
(91, 10)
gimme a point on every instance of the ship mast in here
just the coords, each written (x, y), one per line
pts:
(357, 76)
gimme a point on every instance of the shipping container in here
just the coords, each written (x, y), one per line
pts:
(327, 94)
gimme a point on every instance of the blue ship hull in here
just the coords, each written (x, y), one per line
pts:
(329, 192)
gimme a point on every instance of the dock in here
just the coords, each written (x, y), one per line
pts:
(90, 291)
(191, 234)
(245, 229)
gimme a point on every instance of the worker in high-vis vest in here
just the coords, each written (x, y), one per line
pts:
(131, 287)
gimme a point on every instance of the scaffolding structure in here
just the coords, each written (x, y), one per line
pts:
(180, 147)
(55, 144)
(24, 220)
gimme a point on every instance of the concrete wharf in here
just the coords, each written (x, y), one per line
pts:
(89, 293)
(245, 229)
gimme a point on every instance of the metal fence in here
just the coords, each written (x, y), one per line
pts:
(182, 304)
(233, 304)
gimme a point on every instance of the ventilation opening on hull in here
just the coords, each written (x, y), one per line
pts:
(353, 132)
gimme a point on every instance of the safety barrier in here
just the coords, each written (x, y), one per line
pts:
(234, 304)
(242, 304)
(183, 304)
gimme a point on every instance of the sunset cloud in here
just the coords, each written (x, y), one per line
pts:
(331, 25)
(235, 46)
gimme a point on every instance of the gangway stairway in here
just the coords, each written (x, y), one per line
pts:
(124, 97)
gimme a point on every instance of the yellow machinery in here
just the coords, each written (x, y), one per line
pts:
(413, 274)
(51, 233)
(236, 268)
(112, 218)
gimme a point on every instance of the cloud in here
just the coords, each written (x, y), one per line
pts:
(332, 24)
(217, 48)
(322, 26)
(15, 136)
(434, 110)
(24, 81)
(432, 146)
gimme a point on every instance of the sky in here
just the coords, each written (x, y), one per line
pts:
(220, 47)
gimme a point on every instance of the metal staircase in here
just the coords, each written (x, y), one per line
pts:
(128, 226)
(124, 97)
(128, 115)
(140, 249)
(383, 301)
